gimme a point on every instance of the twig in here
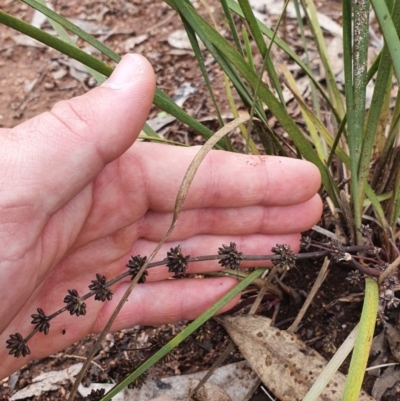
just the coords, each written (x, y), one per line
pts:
(216, 364)
(390, 270)
(318, 282)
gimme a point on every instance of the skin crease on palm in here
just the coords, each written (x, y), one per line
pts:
(76, 199)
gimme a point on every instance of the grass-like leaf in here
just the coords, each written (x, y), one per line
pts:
(279, 42)
(191, 328)
(363, 342)
(213, 40)
(389, 33)
(259, 39)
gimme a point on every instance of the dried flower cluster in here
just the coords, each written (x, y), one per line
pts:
(338, 252)
(127, 366)
(41, 321)
(157, 342)
(365, 230)
(287, 258)
(305, 242)
(75, 306)
(176, 262)
(387, 298)
(228, 257)
(354, 277)
(134, 265)
(231, 257)
(100, 289)
(95, 395)
(17, 346)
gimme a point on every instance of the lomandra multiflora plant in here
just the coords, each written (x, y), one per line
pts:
(229, 257)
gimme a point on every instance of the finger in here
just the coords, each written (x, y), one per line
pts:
(109, 258)
(166, 302)
(201, 245)
(234, 221)
(226, 179)
(58, 153)
(149, 304)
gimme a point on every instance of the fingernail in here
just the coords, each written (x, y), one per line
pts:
(126, 72)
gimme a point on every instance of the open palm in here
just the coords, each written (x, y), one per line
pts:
(76, 199)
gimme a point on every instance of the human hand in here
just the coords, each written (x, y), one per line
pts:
(76, 199)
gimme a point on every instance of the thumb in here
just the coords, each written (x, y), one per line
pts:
(47, 160)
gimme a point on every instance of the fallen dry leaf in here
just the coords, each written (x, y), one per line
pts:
(228, 383)
(286, 365)
(389, 382)
(48, 381)
(209, 392)
(393, 339)
(380, 351)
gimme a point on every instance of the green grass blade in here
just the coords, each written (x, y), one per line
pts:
(279, 42)
(387, 150)
(206, 32)
(62, 33)
(150, 132)
(220, 58)
(235, 113)
(305, 46)
(74, 29)
(55, 43)
(160, 99)
(254, 28)
(371, 72)
(151, 138)
(266, 61)
(356, 132)
(378, 208)
(335, 144)
(184, 333)
(395, 209)
(336, 97)
(232, 26)
(308, 116)
(389, 33)
(259, 39)
(355, 58)
(363, 342)
(250, 61)
(377, 112)
(247, 47)
(197, 51)
(165, 103)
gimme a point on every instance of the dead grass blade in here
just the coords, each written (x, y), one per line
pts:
(317, 284)
(194, 165)
(180, 199)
